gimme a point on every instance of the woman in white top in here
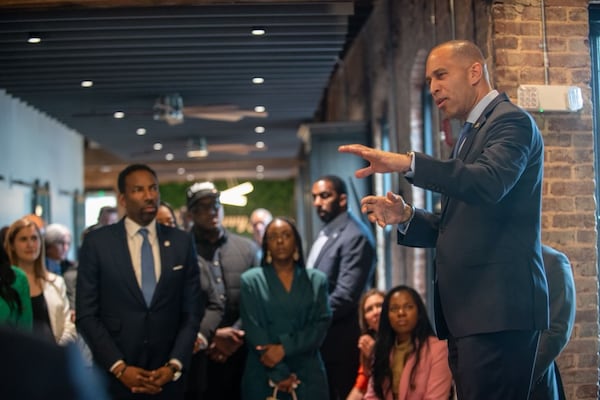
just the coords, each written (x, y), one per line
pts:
(51, 312)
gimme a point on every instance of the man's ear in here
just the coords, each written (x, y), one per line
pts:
(344, 200)
(476, 73)
(121, 199)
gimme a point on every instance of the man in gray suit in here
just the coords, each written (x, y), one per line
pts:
(345, 252)
(138, 295)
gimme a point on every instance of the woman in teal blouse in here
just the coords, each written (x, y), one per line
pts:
(285, 314)
(15, 305)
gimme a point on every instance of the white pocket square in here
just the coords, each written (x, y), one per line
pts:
(177, 267)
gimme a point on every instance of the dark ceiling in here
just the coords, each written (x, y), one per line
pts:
(204, 53)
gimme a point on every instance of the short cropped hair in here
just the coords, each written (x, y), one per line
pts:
(338, 183)
(129, 170)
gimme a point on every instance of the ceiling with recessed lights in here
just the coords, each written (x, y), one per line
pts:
(184, 78)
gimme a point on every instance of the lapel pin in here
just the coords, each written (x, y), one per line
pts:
(167, 243)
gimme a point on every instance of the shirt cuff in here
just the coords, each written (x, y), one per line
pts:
(411, 172)
(203, 342)
(115, 365)
(176, 362)
(403, 227)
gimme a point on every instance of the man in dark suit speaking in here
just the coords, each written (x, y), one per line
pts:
(491, 296)
(138, 297)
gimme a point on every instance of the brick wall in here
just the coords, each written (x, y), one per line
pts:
(568, 202)
(388, 54)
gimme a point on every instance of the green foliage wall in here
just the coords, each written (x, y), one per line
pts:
(276, 196)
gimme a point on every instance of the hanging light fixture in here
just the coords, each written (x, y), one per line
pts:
(197, 148)
(236, 196)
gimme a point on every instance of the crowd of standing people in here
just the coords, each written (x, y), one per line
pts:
(205, 313)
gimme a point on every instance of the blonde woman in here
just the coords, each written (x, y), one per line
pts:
(51, 311)
(369, 311)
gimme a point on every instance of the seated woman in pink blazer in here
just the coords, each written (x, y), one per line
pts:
(409, 363)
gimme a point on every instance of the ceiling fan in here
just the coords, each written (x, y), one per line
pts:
(170, 108)
(198, 148)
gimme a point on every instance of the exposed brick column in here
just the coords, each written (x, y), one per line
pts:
(569, 221)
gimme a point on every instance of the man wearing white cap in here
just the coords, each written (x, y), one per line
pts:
(228, 255)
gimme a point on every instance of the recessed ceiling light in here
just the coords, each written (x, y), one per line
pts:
(119, 114)
(157, 146)
(34, 38)
(258, 31)
(190, 177)
(87, 83)
(260, 109)
(260, 176)
(141, 131)
(258, 80)
(169, 156)
(260, 168)
(260, 145)
(105, 169)
(259, 129)
(180, 171)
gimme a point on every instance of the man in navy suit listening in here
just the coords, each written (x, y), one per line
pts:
(345, 252)
(547, 382)
(138, 295)
(490, 293)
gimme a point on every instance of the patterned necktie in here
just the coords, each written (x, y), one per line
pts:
(464, 131)
(148, 276)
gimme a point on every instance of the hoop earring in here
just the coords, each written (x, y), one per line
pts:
(268, 258)
(296, 255)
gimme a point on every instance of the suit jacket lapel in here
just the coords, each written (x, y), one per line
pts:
(331, 239)
(124, 263)
(462, 154)
(470, 140)
(166, 258)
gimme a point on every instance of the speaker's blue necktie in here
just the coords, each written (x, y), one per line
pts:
(148, 275)
(464, 131)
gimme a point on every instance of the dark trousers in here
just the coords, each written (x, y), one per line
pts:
(224, 381)
(549, 386)
(195, 379)
(493, 366)
(341, 356)
(340, 380)
(170, 391)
